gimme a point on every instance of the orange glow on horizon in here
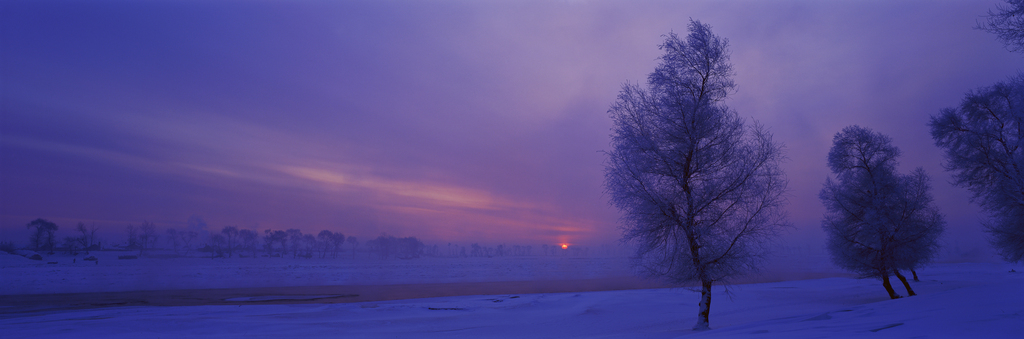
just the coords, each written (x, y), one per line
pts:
(565, 246)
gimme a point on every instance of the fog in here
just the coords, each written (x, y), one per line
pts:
(476, 128)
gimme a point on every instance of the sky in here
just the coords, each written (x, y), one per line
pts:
(451, 121)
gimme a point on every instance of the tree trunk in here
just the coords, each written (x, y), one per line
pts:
(915, 275)
(705, 307)
(888, 287)
(910, 291)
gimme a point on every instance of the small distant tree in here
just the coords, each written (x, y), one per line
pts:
(354, 242)
(408, 247)
(701, 192)
(308, 245)
(294, 241)
(188, 239)
(42, 236)
(147, 237)
(877, 221)
(337, 240)
(71, 244)
(272, 237)
(249, 240)
(174, 238)
(230, 239)
(1007, 23)
(324, 242)
(983, 141)
(83, 239)
(133, 237)
(216, 246)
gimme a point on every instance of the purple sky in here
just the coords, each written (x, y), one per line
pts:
(446, 120)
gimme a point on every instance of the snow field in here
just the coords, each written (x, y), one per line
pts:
(954, 301)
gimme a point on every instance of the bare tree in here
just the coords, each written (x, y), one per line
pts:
(700, 192)
(324, 242)
(270, 237)
(354, 242)
(249, 240)
(983, 140)
(216, 246)
(83, 240)
(147, 237)
(230, 238)
(174, 237)
(187, 238)
(1007, 23)
(308, 245)
(294, 241)
(877, 221)
(133, 237)
(337, 239)
(43, 235)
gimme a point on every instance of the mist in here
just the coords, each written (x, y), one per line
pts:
(478, 129)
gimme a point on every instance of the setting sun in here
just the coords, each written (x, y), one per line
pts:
(564, 246)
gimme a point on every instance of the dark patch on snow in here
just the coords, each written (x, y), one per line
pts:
(123, 303)
(886, 327)
(273, 298)
(819, 317)
(446, 308)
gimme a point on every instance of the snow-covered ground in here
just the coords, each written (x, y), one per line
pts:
(977, 300)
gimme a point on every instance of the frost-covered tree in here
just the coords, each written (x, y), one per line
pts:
(877, 221)
(983, 140)
(1007, 23)
(700, 192)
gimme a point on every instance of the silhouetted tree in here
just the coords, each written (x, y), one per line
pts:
(1007, 23)
(88, 236)
(147, 236)
(187, 239)
(337, 240)
(877, 221)
(323, 240)
(249, 240)
(294, 241)
(700, 192)
(216, 246)
(308, 244)
(271, 237)
(174, 238)
(71, 244)
(983, 140)
(230, 238)
(354, 242)
(133, 237)
(43, 236)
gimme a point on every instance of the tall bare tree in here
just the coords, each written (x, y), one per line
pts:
(700, 192)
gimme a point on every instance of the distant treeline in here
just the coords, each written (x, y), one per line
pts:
(232, 241)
